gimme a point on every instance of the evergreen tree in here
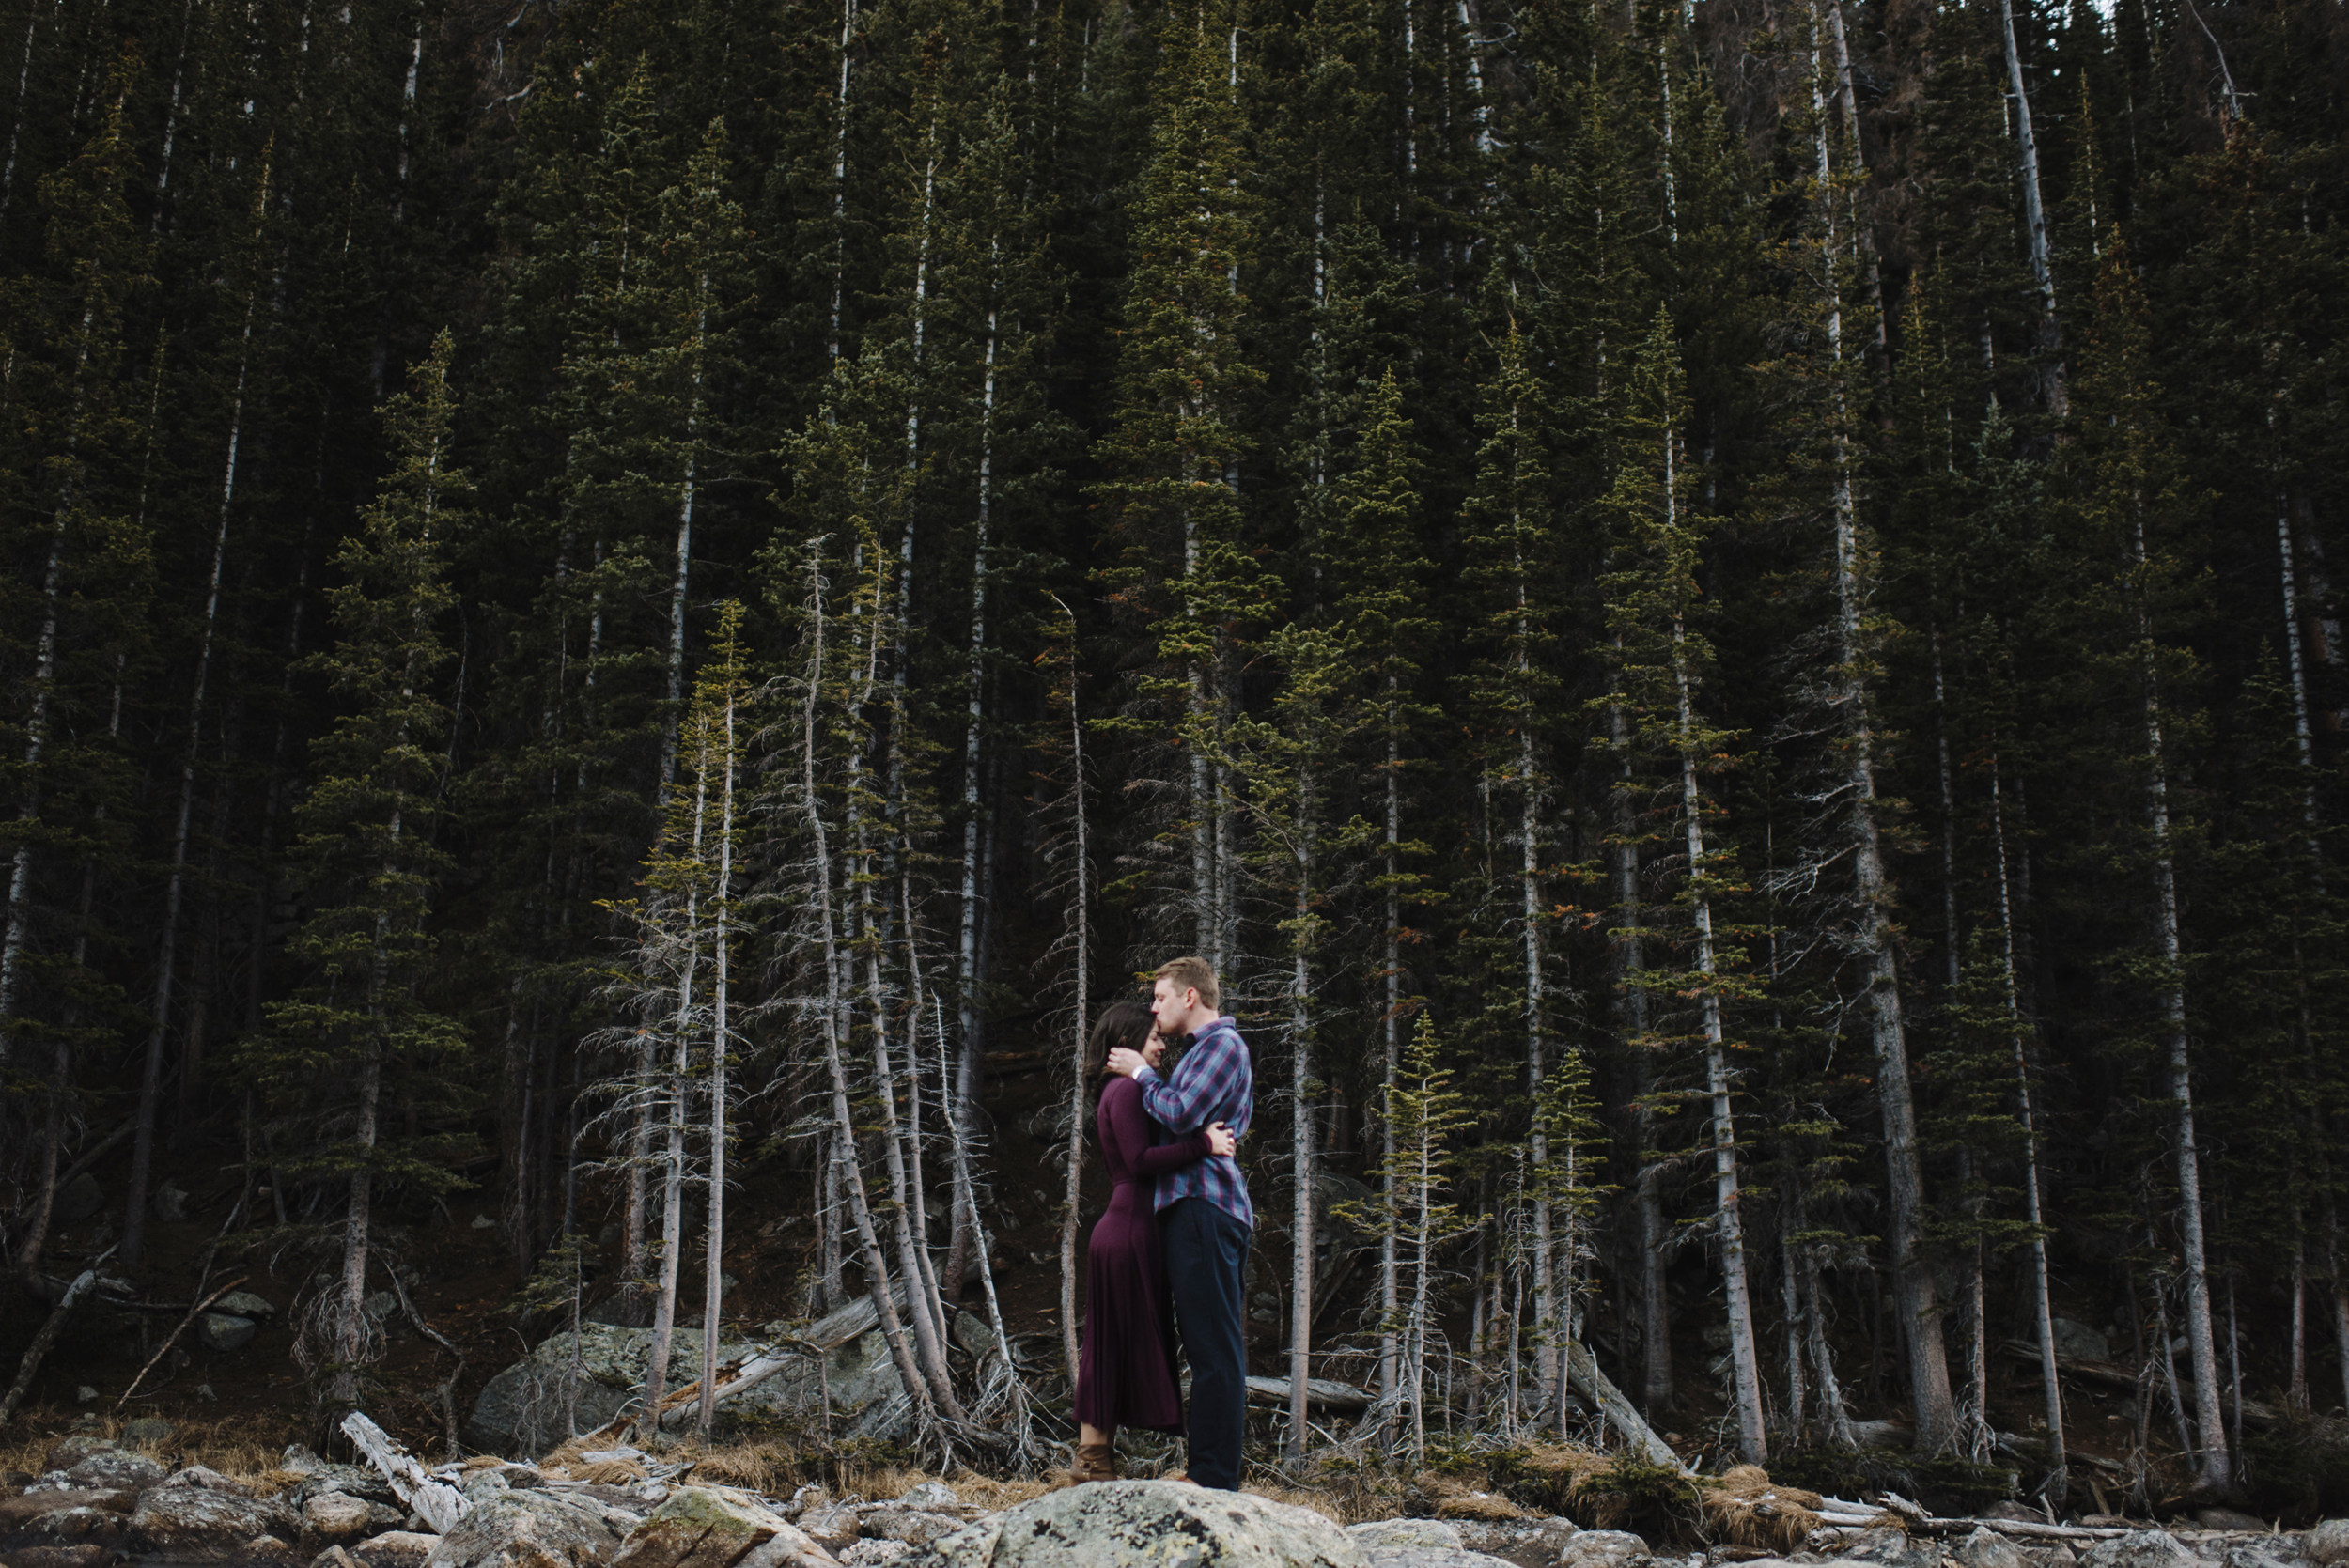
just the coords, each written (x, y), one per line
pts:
(363, 1029)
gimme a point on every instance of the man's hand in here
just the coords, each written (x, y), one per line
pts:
(1123, 1063)
(1222, 1140)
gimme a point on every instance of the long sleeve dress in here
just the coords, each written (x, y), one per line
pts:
(1126, 1374)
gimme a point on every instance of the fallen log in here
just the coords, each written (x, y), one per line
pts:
(1327, 1392)
(83, 1283)
(2028, 1529)
(1583, 1376)
(437, 1503)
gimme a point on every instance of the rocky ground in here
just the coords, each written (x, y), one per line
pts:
(98, 1502)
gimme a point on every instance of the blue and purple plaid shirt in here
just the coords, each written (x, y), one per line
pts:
(1215, 1081)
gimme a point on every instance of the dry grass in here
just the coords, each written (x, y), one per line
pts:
(1319, 1499)
(1746, 1509)
(748, 1466)
(609, 1473)
(993, 1492)
(879, 1481)
(235, 1445)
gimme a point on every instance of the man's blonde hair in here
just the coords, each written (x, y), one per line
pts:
(1192, 973)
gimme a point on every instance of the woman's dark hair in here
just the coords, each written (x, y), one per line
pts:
(1121, 1023)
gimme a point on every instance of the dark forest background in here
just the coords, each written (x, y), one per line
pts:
(1718, 615)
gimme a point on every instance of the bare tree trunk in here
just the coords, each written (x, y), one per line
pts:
(1656, 1345)
(1790, 1308)
(721, 1038)
(2034, 219)
(1745, 1363)
(1302, 1166)
(2292, 663)
(2214, 1465)
(2340, 1298)
(150, 1083)
(1873, 943)
(967, 949)
(851, 1178)
(1082, 929)
(2043, 1287)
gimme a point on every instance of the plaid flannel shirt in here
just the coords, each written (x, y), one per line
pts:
(1215, 1081)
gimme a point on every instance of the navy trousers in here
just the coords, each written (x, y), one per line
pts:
(1206, 1263)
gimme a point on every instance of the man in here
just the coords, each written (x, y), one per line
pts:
(1204, 1211)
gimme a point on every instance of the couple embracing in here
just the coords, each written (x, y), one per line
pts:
(1169, 1256)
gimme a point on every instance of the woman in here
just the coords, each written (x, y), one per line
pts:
(1126, 1376)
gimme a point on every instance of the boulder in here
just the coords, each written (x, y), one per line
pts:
(396, 1548)
(148, 1432)
(2229, 1518)
(915, 1527)
(334, 1519)
(244, 1303)
(69, 1452)
(79, 1199)
(2077, 1341)
(1605, 1548)
(1434, 1557)
(1397, 1533)
(267, 1551)
(870, 1554)
(224, 1330)
(194, 1524)
(929, 1495)
(1527, 1542)
(714, 1526)
(1164, 1523)
(2262, 1551)
(105, 1527)
(1890, 1547)
(529, 1530)
(368, 1484)
(2142, 1549)
(2329, 1543)
(119, 1469)
(82, 1554)
(20, 1512)
(834, 1525)
(577, 1383)
(1988, 1548)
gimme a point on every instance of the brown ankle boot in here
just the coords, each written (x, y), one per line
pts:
(1094, 1462)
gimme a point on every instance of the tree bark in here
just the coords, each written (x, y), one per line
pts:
(2034, 220)
(2043, 1285)
(150, 1083)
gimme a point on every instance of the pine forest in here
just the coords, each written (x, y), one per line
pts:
(620, 620)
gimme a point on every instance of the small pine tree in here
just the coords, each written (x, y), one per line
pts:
(363, 1026)
(1418, 1207)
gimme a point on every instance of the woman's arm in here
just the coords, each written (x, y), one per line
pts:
(1130, 1125)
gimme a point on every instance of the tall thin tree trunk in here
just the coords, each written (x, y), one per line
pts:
(850, 1178)
(1081, 914)
(152, 1082)
(1873, 945)
(2214, 1464)
(1744, 1361)
(2042, 1286)
(1303, 1170)
(2034, 220)
(1790, 1309)
(967, 949)
(714, 1230)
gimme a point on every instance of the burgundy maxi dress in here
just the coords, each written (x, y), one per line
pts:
(1126, 1376)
